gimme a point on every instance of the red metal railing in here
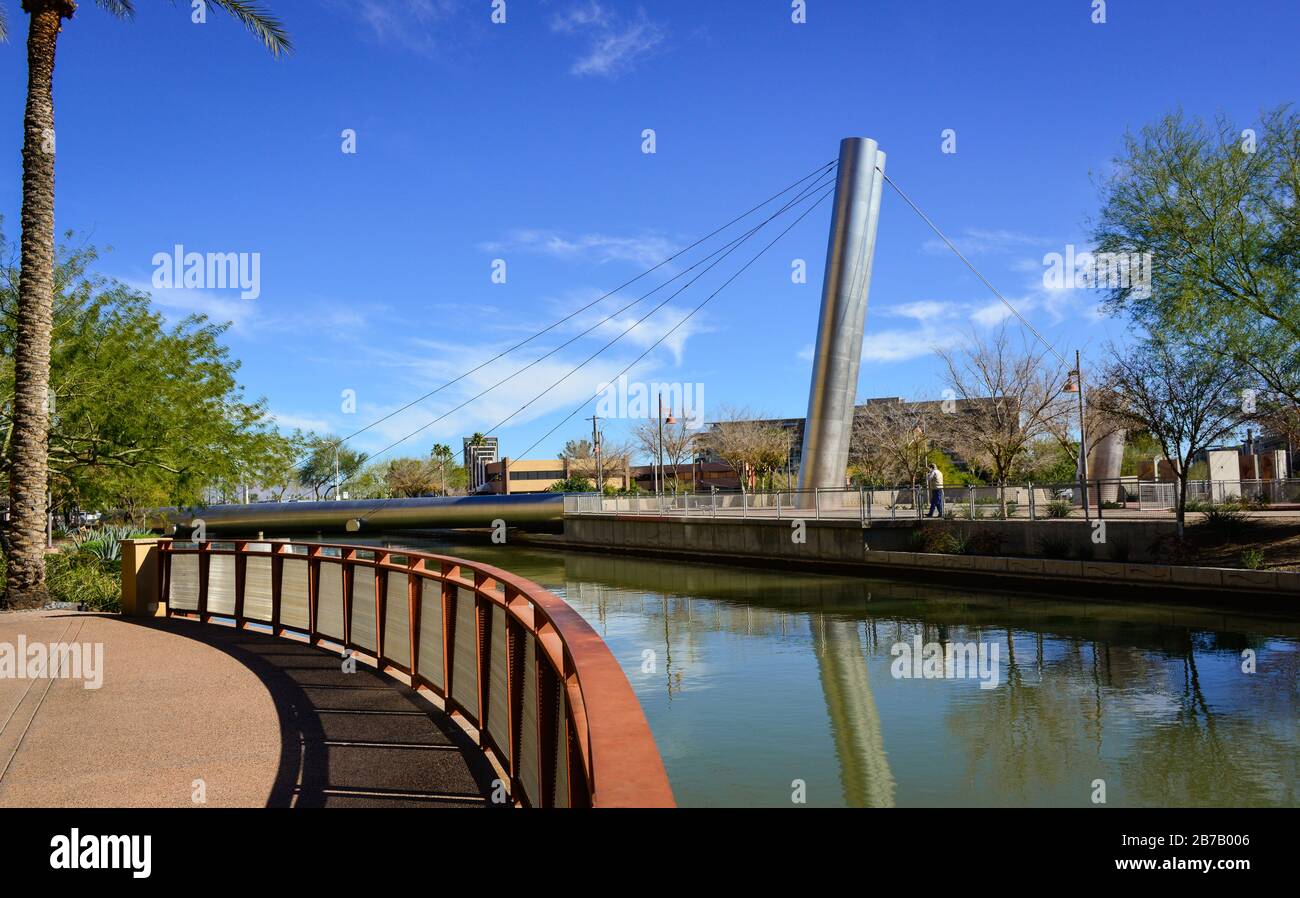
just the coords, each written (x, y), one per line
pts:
(536, 684)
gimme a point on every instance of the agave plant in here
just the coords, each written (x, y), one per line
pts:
(104, 543)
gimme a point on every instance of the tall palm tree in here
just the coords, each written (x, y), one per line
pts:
(29, 448)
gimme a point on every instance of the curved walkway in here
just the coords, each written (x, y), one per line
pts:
(234, 717)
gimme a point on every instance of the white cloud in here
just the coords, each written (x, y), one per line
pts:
(656, 327)
(899, 345)
(644, 250)
(922, 310)
(991, 314)
(289, 421)
(545, 390)
(410, 23)
(614, 45)
(980, 241)
(175, 303)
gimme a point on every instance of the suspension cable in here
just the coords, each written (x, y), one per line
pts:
(949, 243)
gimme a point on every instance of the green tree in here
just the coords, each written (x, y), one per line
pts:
(575, 483)
(328, 463)
(451, 477)
(409, 477)
(1218, 209)
(28, 449)
(1183, 394)
(141, 414)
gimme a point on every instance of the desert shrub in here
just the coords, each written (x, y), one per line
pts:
(1227, 520)
(1252, 558)
(936, 538)
(73, 576)
(958, 543)
(1059, 508)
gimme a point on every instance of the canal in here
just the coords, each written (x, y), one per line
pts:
(763, 688)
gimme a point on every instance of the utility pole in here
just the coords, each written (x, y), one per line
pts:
(595, 448)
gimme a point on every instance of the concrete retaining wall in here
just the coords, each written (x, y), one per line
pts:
(883, 550)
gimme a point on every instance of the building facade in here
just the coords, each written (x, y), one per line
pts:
(477, 456)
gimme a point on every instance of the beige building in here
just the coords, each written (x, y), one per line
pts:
(538, 475)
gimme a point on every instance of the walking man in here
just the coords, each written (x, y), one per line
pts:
(934, 482)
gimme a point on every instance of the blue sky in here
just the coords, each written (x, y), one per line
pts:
(522, 141)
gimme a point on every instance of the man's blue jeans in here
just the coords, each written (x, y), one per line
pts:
(936, 503)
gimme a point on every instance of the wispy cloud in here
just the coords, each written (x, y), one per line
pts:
(177, 302)
(410, 23)
(290, 421)
(547, 390)
(644, 249)
(980, 242)
(923, 309)
(900, 345)
(615, 44)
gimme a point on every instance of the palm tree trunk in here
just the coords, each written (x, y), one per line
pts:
(29, 449)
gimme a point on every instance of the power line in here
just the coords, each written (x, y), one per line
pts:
(944, 238)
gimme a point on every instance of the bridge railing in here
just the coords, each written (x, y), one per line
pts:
(525, 673)
(1026, 501)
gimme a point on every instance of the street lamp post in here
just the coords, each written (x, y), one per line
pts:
(336, 472)
(1076, 386)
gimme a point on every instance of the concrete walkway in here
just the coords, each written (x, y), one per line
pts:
(236, 718)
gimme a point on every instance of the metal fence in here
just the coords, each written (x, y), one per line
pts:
(1028, 501)
(546, 698)
(1260, 492)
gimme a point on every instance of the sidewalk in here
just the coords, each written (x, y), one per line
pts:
(243, 718)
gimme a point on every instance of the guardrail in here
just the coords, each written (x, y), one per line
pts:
(1031, 501)
(525, 673)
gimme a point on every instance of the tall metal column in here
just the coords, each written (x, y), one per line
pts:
(832, 394)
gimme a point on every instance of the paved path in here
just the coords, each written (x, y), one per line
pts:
(260, 721)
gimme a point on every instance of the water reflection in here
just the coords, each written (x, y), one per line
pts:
(762, 679)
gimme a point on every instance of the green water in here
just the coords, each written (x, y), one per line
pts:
(752, 680)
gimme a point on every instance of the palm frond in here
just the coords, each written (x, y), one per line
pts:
(265, 26)
(120, 8)
(4, 26)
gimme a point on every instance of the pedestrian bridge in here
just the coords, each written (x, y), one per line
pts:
(383, 676)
